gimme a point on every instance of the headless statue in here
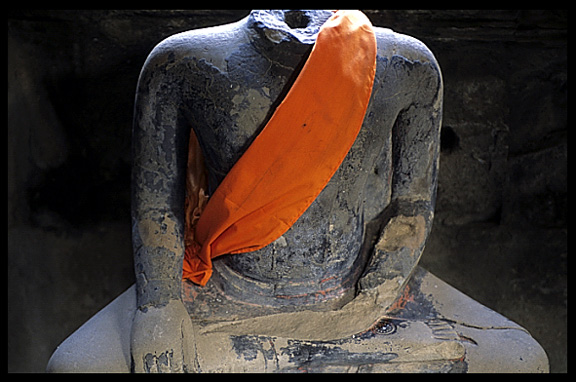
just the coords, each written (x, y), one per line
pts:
(340, 290)
(365, 230)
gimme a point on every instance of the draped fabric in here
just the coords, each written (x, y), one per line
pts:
(294, 156)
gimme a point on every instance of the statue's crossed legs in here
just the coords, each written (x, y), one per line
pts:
(432, 327)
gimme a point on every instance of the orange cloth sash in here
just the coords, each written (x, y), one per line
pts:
(294, 156)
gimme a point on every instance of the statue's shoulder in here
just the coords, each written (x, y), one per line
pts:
(211, 44)
(391, 43)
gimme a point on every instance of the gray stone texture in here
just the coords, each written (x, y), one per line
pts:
(499, 233)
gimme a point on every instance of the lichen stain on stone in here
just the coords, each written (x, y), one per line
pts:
(251, 108)
(154, 234)
(403, 231)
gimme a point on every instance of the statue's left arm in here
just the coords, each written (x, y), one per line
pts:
(415, 145)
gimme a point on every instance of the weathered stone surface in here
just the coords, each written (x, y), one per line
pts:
(70, 196)
(432, 328)
(223, 83)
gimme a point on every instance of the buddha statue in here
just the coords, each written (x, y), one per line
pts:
(338, 291)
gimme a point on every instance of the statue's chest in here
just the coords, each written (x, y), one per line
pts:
(228, 108)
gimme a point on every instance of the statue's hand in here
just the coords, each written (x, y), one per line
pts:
(397, 252)
(162, 339)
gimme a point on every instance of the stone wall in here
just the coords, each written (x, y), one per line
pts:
(500, 229)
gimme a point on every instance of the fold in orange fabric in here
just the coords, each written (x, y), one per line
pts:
(294, 156)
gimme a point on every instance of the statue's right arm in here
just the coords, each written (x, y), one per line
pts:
(159, 154)
(161, 331)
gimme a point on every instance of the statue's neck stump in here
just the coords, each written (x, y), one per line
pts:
(286, 27)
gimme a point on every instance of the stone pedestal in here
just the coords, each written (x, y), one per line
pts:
(432, 327)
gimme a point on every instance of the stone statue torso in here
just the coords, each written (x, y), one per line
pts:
(231, 77)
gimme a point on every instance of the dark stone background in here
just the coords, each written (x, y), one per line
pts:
(500, 231)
